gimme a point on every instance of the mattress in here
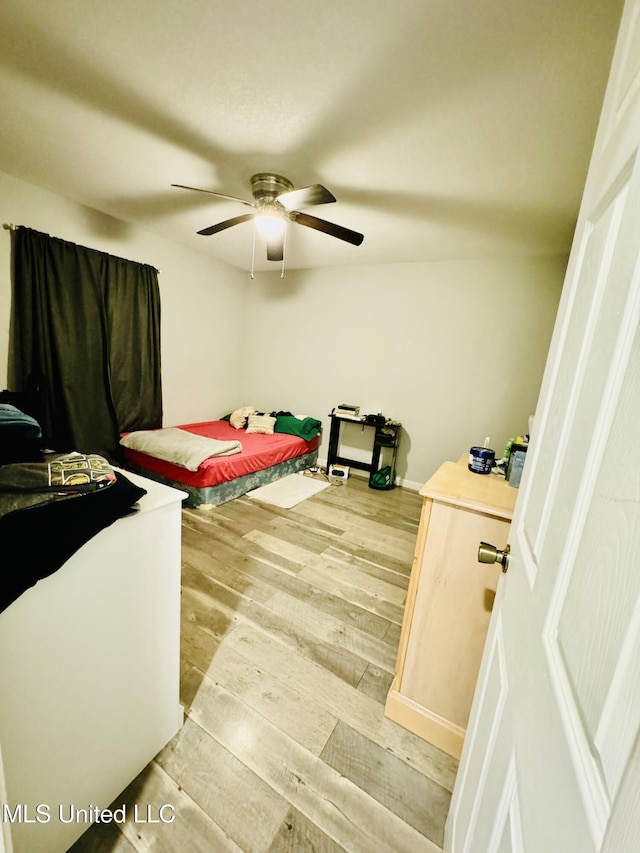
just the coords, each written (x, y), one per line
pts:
(259, 451)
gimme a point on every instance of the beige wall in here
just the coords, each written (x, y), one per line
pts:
(202, 299)
(454, 350)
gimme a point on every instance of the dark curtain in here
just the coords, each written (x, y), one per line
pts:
(85, 331)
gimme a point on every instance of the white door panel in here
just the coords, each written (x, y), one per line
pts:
(490, 731)
(507, 827)
(561, 448)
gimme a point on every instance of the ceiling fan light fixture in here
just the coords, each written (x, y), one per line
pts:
(270, 223)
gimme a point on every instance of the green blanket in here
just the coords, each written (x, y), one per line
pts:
(306, 428)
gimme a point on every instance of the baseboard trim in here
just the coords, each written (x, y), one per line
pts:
(364, 475)
(423, 722)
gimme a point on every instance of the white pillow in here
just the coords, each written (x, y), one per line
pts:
(261, 423)
(239, 417)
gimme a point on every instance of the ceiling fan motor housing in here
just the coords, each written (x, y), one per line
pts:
(267, 187)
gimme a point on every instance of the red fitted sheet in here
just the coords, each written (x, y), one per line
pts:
(258, 451)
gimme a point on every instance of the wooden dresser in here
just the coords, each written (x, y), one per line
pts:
(449, 603)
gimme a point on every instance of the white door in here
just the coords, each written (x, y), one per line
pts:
(551, 761)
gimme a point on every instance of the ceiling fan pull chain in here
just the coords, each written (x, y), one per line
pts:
(284, 251)
(253, 251)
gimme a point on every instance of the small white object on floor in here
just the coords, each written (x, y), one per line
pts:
(288, 491)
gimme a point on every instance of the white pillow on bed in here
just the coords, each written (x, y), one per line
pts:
(239, 417)
(261, 423)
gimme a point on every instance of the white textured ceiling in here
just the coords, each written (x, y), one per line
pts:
(445, 128)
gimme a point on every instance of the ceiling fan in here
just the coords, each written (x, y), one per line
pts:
(275, 203)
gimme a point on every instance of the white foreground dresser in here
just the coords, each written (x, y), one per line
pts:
(89, 674)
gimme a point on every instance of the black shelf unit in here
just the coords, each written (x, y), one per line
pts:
(386, 437)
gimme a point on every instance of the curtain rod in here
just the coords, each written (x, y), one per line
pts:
(9, 226)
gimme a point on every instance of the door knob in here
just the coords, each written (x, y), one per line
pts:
(490, 554)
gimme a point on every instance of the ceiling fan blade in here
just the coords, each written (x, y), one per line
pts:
(275, 248)
(331, 228)
(218, 195)
(213, 229)
(315, 194)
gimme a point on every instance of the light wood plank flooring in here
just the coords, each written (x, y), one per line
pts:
(290, 627)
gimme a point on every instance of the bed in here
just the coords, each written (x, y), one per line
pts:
(260, 459)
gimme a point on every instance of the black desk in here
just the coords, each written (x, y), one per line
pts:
(386, 434)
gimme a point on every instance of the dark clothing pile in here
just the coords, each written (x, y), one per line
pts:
(50, 504)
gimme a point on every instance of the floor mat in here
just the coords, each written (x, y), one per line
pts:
(288, 491)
